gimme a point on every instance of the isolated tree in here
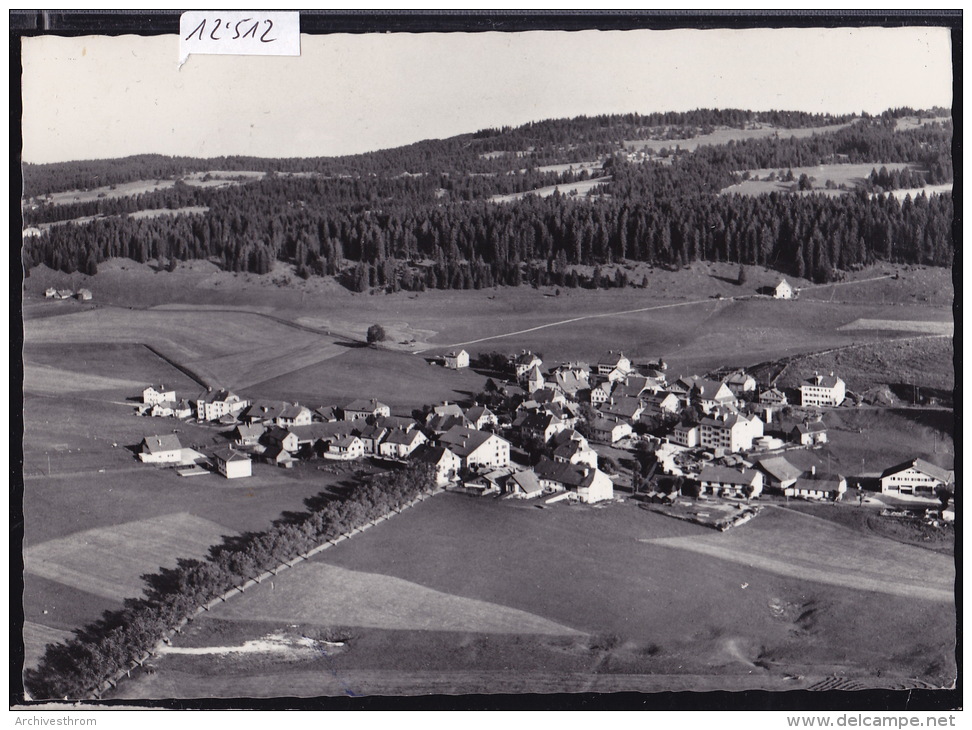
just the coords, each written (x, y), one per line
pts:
(741, 277)
(376, 333)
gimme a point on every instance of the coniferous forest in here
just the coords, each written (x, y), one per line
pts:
(421, 216)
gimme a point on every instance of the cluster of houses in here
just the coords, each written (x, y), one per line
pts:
(83, 294)
(708, 432)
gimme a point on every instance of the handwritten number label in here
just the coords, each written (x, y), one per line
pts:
(246, 33)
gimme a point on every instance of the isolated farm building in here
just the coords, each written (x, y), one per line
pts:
(523, 485)
(600, 394)
(399, 444)
(525, 362)
(63, 294)
(182, 409)
(211, 406)
(279, 456)
(164, 449)
(779, 473)
(359, 409)
(50, 292)
(731, 433)
(575, 452)
(783, 290)
(282, 437)
(916, 477)
(542, 426)
(345, 449)
(822, 390)
(740, 383)
(326, 414)
(726, 481)
(711, 394)
(371, 437)
(476, 449)
(629, 409)
(686, 435)
(809, 434)
(247, 435)
(480, 416)
(817, 485)
(456, 360)
(232, 464)
(445, 463)
(772, 397)
(158, 394)
(609, 431)
(613, 361)
(84, 295)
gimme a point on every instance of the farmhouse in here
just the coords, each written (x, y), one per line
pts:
(725, 481)
(915, 477)
(476, 449)
(661, 403)
(576, 452)
(153, 395)
(817, 485)
(183, 409)
(711, 394)
(244, 435)
(162, 410)
(279, 413)
(783, 290)
(732, 433)
(457, 360)
(740, 383)
(627, 408)
(282, 437)
(280, 456)
(50, 292)
(778, 473)
(809, 434)
(609, 431)
(84, 295)
(164, 449)
(772, 397)
(524, 485)
(326, 414)
(542, 426)
(371, 437)
(361, 409)
(489, 482)
(399, 444)
(447, 409)
(589, 484)
(822, 390)
(232, 464)
(212, 406)
(441, 424)
(445, 463)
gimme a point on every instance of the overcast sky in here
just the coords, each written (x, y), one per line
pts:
(95, 97)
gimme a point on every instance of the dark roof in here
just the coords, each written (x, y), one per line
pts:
(815, 427)
(228, 454)
(165, 442)
(364, 405)
(727, 475)
(557, 471)
(477, 412)
(463, 441)
(826, 381)
(527, 481)
(405, 438)
(429, 454)
(779, 468)
(925, 467)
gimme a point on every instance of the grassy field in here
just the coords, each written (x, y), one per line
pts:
(138, 215)
(849, 175)
(726, 135)
(572, 592)
(140, 187)
(575, 188)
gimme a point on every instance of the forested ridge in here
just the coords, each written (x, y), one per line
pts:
(361, 219)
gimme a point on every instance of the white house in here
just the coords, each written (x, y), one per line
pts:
(476, 449)
(400, 444)
(164, 449)
(232, 464)
(344, 449)
(153, 395)
(725, 481)
(576, 452)
(822, 390)
(817, 485)
(445, 463)
(685, 435)
(183, 409)
(809, 434)
(457, 360)
(525, 362)
(740, 383)
(608, 431)
(211, 406)
(480, 417)
(783, 290)
(596, 486)
(523, 485)
(915, 477)
(613, 361)
(732, 433)
(360, 409)
(711, 394)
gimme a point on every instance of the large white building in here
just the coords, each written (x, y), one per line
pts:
(732, 433)
(916, 477)
(476, 448)
(822, 390)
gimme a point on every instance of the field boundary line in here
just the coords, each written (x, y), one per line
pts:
(114, 679)
(178, 366)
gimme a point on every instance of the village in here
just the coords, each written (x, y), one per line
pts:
(574, 432)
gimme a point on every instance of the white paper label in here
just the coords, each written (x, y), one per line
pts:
(247, 33)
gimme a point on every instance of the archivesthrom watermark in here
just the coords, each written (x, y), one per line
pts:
(42, 721)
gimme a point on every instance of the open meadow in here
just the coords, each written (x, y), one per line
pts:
(724, 135)
(466, 595)
(850, 176)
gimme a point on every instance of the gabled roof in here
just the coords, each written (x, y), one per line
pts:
(160, 388)
(278, 433)
(455, 354)
(539, 421)
(727, 475)
(561, 472)
(165, 442)
(624, 406)
(566, 436)
(441, 424)
(429, 454)
(372, 432)
(779, 468)
(825, 381)
(815, 427)
(740, 378)
(390, 422)
(327, 413)
(527, 481)
(925, 467)
(611, 358)
(364, 405)
(708, 388)
(569, 449)
(447, 409)
(464, 441)
(228, 454)
(403, 438)
(345, 442)
(773, 394)
(477, 412)
(525, 358)
(606, 424)
(254, 431)
(319, 431)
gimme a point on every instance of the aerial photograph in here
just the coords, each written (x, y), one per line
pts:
(489, 363)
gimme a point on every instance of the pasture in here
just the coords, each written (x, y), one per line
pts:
(571, 592)
(137, 215)
(724, 135)
(217, 178)
(580, 187)
(849, 175)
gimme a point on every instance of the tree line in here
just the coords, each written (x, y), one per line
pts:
(77, 667)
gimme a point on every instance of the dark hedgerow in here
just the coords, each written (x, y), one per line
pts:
(77, 667)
